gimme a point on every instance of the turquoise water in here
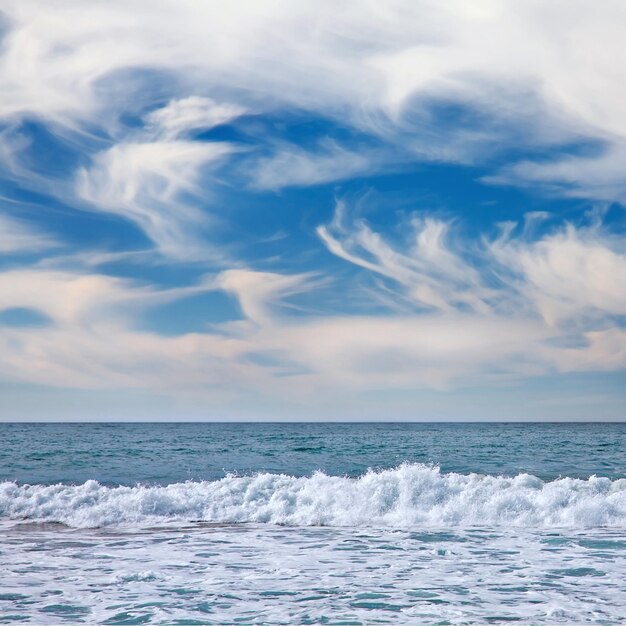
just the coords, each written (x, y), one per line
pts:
(169, 453)
(312, 523)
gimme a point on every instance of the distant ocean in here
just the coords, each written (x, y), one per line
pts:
(313, 523)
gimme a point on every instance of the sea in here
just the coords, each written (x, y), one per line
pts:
(301, 523)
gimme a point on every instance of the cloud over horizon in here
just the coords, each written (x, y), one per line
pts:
(304, 205)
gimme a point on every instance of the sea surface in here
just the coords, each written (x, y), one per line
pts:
(313, 523)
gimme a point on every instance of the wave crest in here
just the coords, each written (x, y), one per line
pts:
(410, 495)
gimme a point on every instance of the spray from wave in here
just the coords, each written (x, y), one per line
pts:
(410, 495)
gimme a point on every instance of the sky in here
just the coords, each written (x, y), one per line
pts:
(279, 210)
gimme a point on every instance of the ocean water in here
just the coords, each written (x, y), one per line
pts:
(313, 523)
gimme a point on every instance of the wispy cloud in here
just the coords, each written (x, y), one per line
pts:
(556, 314)
(568, 283)
(20, 237)
(561, 275)
(599, 176)
(574, 274)
(154, 178)
(290, 165)
(188, 114)
(383, 70)
(430, 272)
(150, 183)
(161, 113)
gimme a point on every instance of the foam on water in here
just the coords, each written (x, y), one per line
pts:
(410, 495)
(529, 537)
(263, 574)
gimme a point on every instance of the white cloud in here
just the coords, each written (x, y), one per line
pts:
(20, 237)
(600, 176)
(414, 352)
(566, 286)
(602, 350)
(431, 274)
(555, 316)
(516, 74)
(191, 113)
(92, 342)
(570, 274)
(290, 165)
(75, 298)
(532, 73)
(258, 291)
(145, 183)
(563, 275)
(152, 177)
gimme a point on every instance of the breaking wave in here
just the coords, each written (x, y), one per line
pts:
(408, 496)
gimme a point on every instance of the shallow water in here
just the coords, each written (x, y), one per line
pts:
(264, 574)
(470, 524)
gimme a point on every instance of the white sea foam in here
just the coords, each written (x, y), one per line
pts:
(410, 495)
(268, 574)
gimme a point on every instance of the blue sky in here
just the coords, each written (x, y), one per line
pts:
(298, 210)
